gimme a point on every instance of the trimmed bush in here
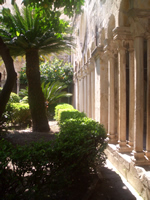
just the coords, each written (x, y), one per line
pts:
(45, 169)
(81, 143)
(14, 98)
(18, 113)
(69, 114)
(63, 106)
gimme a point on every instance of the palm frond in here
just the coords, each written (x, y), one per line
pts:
(54, 91)
(29, 28)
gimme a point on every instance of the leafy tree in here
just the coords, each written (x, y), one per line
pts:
(11, 76)
(30, 33)
(69, 6)
(52, 19)
(54, 70)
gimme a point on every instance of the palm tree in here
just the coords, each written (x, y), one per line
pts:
(53, 91)
(32, 32)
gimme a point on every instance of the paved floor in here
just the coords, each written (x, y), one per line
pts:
(112, 186)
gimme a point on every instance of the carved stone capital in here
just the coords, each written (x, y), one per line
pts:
(122, 33)
(110, 50)
(139, 20)
(97, 51)
(91, 64)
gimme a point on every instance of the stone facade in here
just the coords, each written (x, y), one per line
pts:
(112, 72)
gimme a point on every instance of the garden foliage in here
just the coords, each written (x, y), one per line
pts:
(60, 107)
(54, 70)
(44, 170)
(16, 112)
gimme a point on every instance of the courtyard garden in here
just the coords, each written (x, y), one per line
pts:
(48, 149)
(60, 164)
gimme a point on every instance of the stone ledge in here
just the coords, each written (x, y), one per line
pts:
(137, 176)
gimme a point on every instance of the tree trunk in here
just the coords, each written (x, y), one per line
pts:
(11, 76)
(36, 97)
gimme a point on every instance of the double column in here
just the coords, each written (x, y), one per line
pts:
(111, 98)
(101, 89)
(91, 78)
(122, 98)
(138, 99)
(148, 100)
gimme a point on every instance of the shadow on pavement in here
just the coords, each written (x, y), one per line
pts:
(110, 187)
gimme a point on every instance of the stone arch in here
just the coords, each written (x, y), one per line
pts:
(93, 46)
(88, 54)
(79, 64)
(111, 26)
(76, 66)
(82, 62)
(85, 59)
(102, 37)
(83, 29)
(123, 17)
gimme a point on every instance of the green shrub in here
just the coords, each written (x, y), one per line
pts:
(18, 113)
(62, 106)
(81, 143)
(69, 114)
(25, 171)
(43, 169)
(14, 98)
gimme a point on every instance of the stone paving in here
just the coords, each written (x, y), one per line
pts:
(112, 186)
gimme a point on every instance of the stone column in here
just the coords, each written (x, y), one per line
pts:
(82, 94)
(18, 85)
(103, 92)
(85, 94)
(122, 98)
(148, 100)
(97, 89)
(91, 66)
(77, 101)
(89, 93)
(131, 96)
(111, 100)
(138, 99)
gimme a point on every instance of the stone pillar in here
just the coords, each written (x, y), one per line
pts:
(131, 96)
(82, 94)
(77, 101)
(85, 94)
(103, 92)
(79, 97)
(93, 94)
(75, 91)
(97, 89)
(91, 65)
(111, 100)
(122, 98)
(18, 85)
(138, 99)
(148, 100)
(89, 93)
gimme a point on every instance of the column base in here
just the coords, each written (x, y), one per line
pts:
(130, 144)
(140, 159)
(123, 147)
(147, 153)
(112, 138)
